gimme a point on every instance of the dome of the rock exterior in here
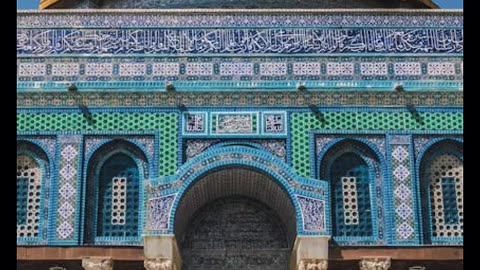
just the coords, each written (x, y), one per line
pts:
(237, 4)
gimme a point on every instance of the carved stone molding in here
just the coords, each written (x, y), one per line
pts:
(375, 263)
(97, 263)
(313, 264)
(158, 264)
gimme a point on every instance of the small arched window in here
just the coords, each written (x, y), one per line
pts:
(350, 183)
(442, 193)
(118, 197)
(113, 196)
(29, 192)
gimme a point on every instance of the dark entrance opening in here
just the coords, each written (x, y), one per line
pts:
(235, 233)
(236, 218)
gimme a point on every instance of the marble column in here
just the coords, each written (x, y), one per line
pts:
(97, 263)
(375, 263)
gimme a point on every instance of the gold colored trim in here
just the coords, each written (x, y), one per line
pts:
(47, 3)
(429, 3)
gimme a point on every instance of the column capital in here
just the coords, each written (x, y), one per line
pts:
(97, 263)
(158, 264)
(375, 263)
(313, 264)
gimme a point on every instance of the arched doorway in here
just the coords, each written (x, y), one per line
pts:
(235, 218)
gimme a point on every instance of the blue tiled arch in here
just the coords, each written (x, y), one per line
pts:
(419, 160)
(258, 159)
(142, 173)
(375, 170)
(33, 150)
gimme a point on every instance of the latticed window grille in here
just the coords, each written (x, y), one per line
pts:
(29, 187)
(351, 205)
(118, 198)
(444, 184)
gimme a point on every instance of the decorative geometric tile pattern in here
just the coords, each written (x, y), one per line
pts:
(167, 123)
(403, 192)
(402, 186)
(228, 68)
(29, 184)
(274, 123)
(372, 69)
(98, 69)
(304, 123)
(340, 68)
(159, 211)
(68, 181)
(132, 69)
(238, 99)
(216, 19)
(146, 142)
(441, 68)
(119, 200)
(350, 207)
(271, 123)
(313, 214)
(405, 231)
(273, 69)
(64, 231)
(195, 123)
(32, 69)
(407, 68)
(401, 172)
(66, 210)
(404, 211)
(65, 69)
(445, 177)
(165, 69)
(400, 154)
(310, 68)
(195, 147)
(199, 69)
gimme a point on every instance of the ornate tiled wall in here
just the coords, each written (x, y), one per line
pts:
(245, 93)
(70, 160)
(401, 166)
(240, 50)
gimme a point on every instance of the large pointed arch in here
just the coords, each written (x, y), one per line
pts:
(306, 196)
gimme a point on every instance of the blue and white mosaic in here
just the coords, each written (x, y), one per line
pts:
(158, 212)
(267, 123)
(290, 18)
(108, 69)
(313, 214)
(238, 41)
(68, 185)
(402, 188)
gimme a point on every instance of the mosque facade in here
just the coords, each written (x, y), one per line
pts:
(259, 135)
